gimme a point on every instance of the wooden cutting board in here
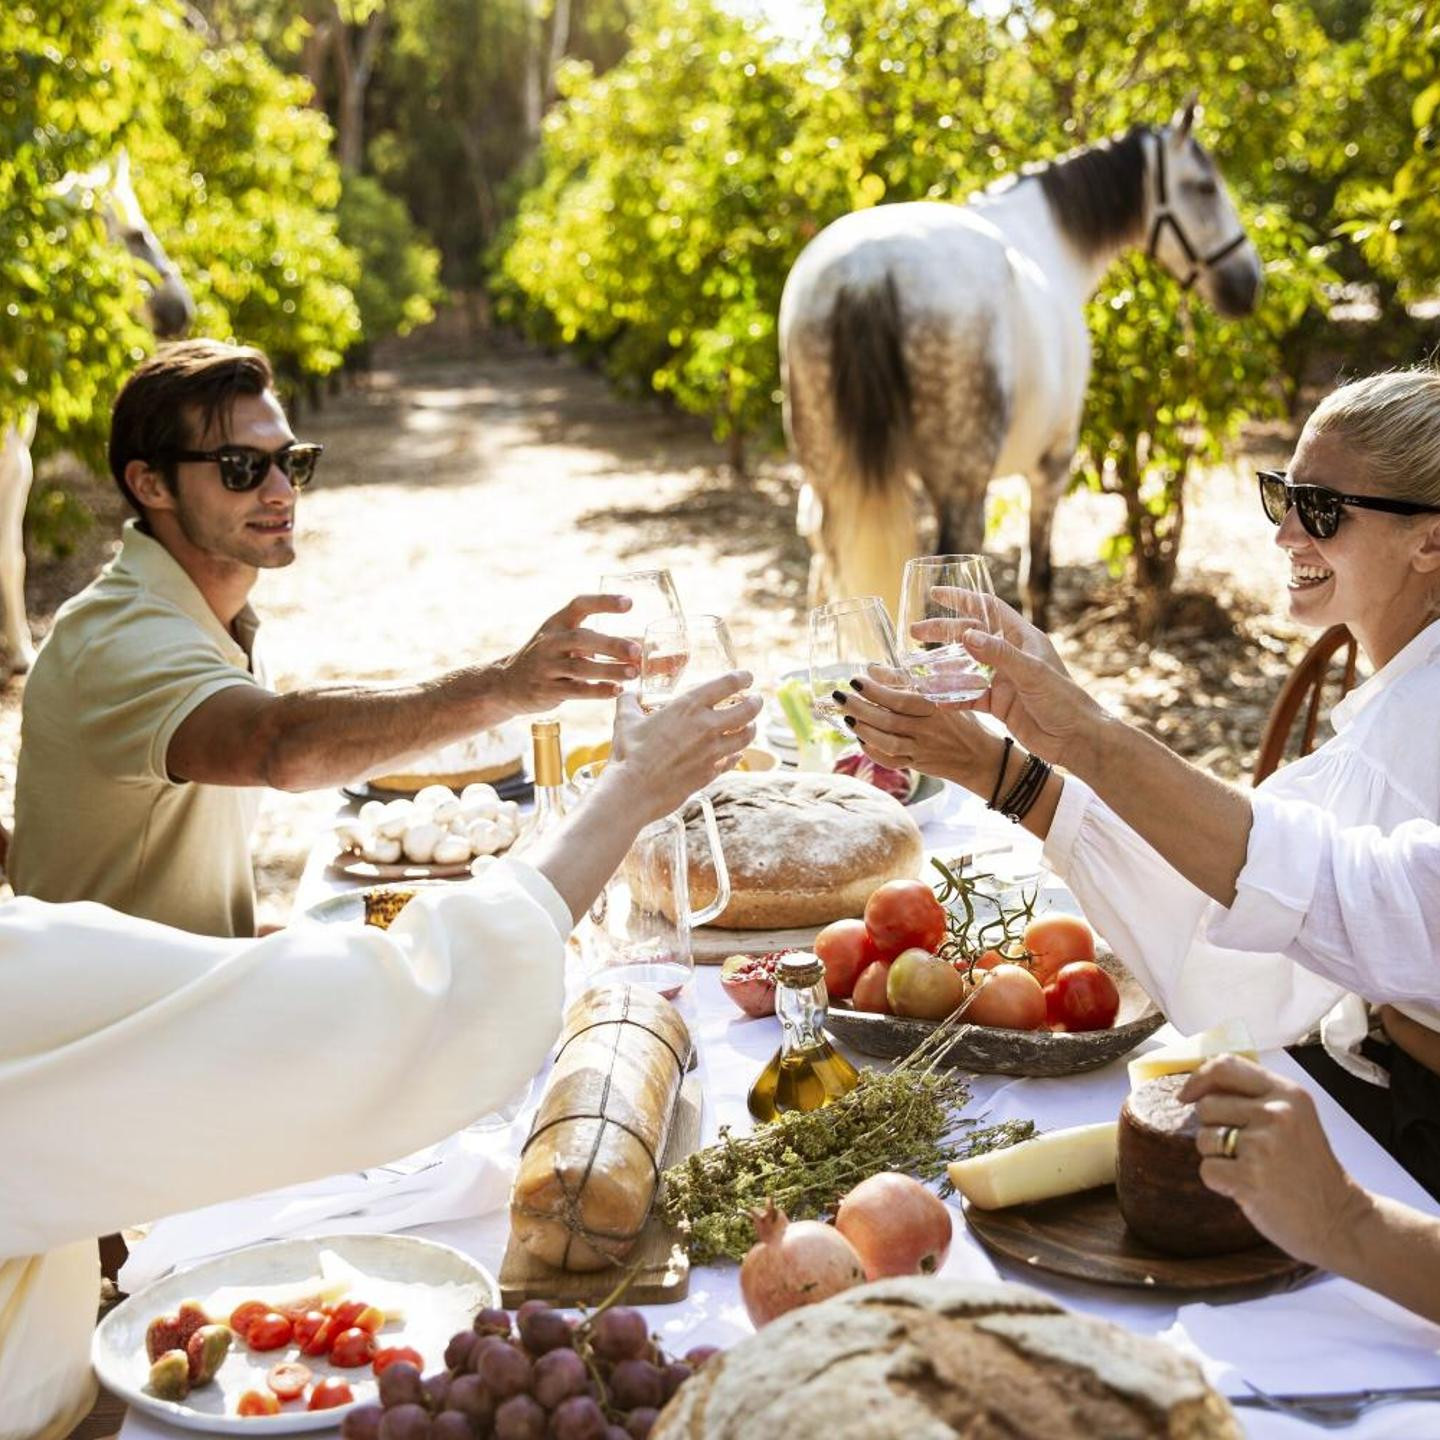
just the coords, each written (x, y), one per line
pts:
(664, 1268)
(1085, 1236)
(712, 946)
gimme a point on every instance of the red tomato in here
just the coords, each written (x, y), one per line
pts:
(1056, 940)
(329, 1393)
(388, 1356)
(1053, 1014)
(904, 914)
(1009, 997)
(272, 1331)
(288, 1379)
(322, 1339)
(308, 1325)
(989, 959)
(343, 1312)
(243, 1316)
(254, 1402)
(371, 1319)
(352, 1347)
(846, 949)
(1086, 996)
(869, 993)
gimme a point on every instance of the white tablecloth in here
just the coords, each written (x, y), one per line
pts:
(1357, 1340)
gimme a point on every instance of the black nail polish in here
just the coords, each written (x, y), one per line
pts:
(839, 696)
(858, 685)
(849, 720)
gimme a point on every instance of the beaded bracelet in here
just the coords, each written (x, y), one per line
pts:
(1000, 778)
(1026, 790)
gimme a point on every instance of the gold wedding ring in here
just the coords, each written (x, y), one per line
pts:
(1229, 1142)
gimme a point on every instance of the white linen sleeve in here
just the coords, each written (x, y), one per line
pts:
(145, 1071)
(1156, 923)
(1348, 903)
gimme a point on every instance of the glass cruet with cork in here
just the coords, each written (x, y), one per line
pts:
(807, 1071)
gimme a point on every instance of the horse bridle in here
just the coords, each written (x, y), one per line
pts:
(1165, 217)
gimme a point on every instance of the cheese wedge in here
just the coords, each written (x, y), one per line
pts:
(1061, 1163)
(1231, 1038)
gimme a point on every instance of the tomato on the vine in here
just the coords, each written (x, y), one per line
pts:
(1056, 940)
(903, 915)
(329, 1393)
(845, 948)
(1086, 996)
(1008, 997)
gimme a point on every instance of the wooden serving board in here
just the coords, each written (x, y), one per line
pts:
(1085, 1236)
(664, 1267)
(712, 946)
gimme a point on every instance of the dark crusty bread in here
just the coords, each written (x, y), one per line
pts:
(935, 1359)
(1157, 1178)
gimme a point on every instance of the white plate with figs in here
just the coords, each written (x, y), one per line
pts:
(437, 835)
(427, 1291)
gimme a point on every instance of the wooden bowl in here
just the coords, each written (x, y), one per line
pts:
(989, 1050)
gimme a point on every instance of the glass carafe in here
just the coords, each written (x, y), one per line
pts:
(638, 929)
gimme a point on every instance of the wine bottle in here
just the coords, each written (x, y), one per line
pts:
(550, 788)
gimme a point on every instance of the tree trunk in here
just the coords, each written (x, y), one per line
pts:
(559, 44)
(532, 98)
(355, 63)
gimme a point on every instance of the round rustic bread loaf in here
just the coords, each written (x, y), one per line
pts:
(932, 1359)
(801, 849)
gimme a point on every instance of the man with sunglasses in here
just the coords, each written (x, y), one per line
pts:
(149, 729)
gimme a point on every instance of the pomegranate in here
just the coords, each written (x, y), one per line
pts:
(898, 783)
(794, 1264)
(896, 1226)
(749, 980)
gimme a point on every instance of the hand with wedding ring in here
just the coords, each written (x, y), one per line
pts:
(1263, 1147)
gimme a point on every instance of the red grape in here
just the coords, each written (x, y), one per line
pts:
(639, 1423)
(578, 1418)
(437, 1389)
(544, 1329)
(559, 1375)
(616, 1432)
(362, 1423)
(697, 1355)
(405, 1422)
(457, 1352)
(471, 1398)
(504, 1370)
(634, 1383)
(620, 1334)
(492, 1322)
(673, 1376)
(451, 1425)
(400, 1384)
(520, 1418)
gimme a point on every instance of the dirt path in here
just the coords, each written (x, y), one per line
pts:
(463, 499)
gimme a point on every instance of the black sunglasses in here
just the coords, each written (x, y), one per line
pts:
(242, 467)
(1321, 510)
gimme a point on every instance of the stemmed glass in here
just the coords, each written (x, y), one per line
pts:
(941, 597)
(848, 638)
(691, 651)
(652, 597)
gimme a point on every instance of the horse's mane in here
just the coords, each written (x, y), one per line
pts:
(1097, 195)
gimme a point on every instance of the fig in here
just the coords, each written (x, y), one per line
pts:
(749, 980)
(190, 1318)
(170, 1376)
(162, 1335)
(207, 1349)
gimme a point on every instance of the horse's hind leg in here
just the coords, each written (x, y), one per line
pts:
(1047, 485)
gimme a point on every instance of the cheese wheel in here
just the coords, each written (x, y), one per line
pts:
(1060, 1163)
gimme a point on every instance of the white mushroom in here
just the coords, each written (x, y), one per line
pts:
(485, 837)
(434, 796)
(420, 840)
(398, 817)
(452, 850)
(371, 811)
(382, 851)
(511, 808)
(479, 793)
(481, 864)
(351, 834)
(481, 809)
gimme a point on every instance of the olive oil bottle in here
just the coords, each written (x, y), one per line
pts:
(807, 1071)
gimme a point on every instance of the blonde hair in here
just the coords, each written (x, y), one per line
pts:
(1392, 422)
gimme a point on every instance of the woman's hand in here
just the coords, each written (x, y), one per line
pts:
(679, 749)
(1282, 1172)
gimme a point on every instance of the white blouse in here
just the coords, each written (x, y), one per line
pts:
(141, 1069)
(1381, 769)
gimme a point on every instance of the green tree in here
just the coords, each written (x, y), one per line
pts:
(398, 277)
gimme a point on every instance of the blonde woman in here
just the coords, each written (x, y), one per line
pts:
(1358, 518)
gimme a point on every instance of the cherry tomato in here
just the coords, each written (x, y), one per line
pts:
(343, 1312)
(903, 914)
(1086, 996)
(870, 988)
(352, 1347)
(288, 1379)
(272, 1331)
(846, 949)
(329, 1393)
(308, 1325)
(370, 1318)
(322, 1339)
(391, 1353)
(1056, 940)
(1009, 997)
(254, 1402)
(243, 1316)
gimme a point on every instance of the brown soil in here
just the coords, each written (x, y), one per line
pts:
(466, 495)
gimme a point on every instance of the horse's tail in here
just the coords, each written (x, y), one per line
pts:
(870, 385)
(870, 529)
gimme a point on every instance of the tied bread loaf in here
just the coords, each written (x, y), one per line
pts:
(591, 1166)
(802, 849)
(936, 1359)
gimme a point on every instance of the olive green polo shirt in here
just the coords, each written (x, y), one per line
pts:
(97, 814)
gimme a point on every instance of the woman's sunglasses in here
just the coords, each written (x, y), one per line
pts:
(1322, 510)
(242, 467)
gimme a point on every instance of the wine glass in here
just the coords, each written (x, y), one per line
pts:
(941, 597)
(652, 597)
(692, 650)
(848, 638)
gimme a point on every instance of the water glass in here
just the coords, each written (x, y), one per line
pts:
(681, 654)
(941, 597)
(849, 638)
(652, 597)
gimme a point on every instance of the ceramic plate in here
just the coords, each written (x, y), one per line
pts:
(348, 907)
(352, 867)
(437, 1289)
(519, 788)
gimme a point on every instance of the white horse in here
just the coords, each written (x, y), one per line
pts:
(946, 344)
(170, 310)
